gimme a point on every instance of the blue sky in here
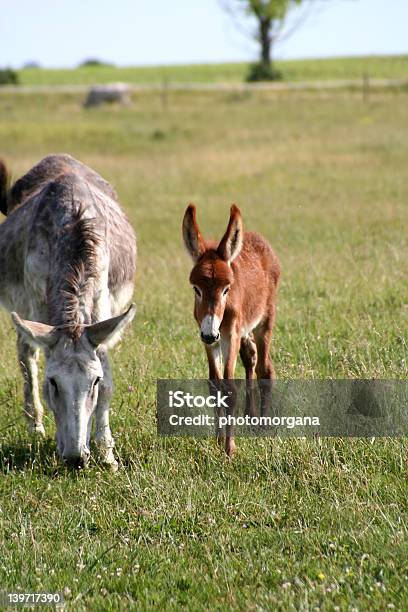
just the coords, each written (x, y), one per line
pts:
(143, 32)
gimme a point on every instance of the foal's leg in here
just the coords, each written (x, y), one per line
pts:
(103, 436)
(214, 356)
(264, 368)
(248, 354)
(33, 409)
(230, 352)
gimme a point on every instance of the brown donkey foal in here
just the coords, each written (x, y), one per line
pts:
(235, 285)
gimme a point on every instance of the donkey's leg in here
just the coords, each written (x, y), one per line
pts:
(230, 350)
(264, 368)
(103, 436)
(248, 354)
(33, 409)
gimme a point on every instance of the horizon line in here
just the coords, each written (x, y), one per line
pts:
(108, 63)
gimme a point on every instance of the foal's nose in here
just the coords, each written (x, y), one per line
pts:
(210, 338)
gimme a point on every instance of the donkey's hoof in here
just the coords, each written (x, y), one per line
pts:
(37, 431)
(112, 467)
(109, 464)
(107, 458)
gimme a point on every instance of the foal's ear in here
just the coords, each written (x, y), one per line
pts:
(231, 243)
(193, 240)
(37, 335)
(108, 332)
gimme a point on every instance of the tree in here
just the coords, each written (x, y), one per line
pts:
(270, 16)
(8, 76)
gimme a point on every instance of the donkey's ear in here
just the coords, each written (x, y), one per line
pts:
(191, 234)
(231, 243)
(37, 335)
(4, 187)
(108, 332)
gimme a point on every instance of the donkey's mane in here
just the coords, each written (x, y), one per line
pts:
(81, 245)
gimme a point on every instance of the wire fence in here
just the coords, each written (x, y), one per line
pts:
(365, 84)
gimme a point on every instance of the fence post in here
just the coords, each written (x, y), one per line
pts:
(366, 87)
(165, 93)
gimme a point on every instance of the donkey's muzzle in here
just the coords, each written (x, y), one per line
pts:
(210, 338)
(76, 461)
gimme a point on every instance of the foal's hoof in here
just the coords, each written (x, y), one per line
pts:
(230, 449)
(220, 441)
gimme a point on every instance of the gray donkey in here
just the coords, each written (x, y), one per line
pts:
(67, 262)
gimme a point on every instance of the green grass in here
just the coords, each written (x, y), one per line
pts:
(296, 524)
(379, 67)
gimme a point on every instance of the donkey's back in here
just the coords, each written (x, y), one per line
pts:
(59, 213)
(47, 170)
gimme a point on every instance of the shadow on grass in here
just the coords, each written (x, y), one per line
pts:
(39, 456)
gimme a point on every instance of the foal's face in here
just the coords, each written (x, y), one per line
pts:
(211, 279)
(212, 275)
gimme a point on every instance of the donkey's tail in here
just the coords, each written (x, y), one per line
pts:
(5, 181)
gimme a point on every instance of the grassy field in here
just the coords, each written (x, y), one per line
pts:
(381, 67)
(300, 524)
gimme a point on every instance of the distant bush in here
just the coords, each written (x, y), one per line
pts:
(263, 72)
(92, 62)
(158, 135)
(31, 65)
(8, 76)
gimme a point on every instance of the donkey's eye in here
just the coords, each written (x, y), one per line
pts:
(54, 385)
(226, 290)
(197, 291)
(96, 382)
